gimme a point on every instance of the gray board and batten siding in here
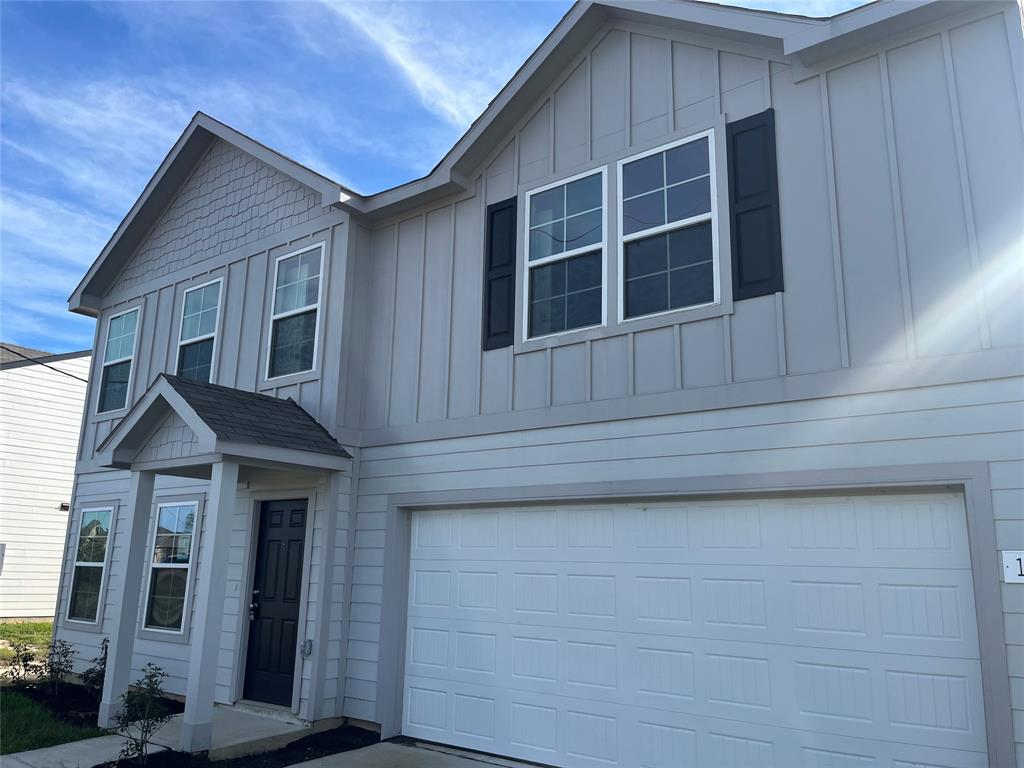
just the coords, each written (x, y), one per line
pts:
(899, 210)
(900, 188)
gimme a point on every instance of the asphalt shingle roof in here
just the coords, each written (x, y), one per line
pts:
(9, 353)
(248, 417)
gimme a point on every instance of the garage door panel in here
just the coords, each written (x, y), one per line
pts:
(860, 694)
(858, 531)
(805, 631)
(925, 611)
(577, 732)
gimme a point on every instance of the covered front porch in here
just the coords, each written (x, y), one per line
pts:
(227, 572)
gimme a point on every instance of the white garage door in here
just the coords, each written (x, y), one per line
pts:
(837, 632)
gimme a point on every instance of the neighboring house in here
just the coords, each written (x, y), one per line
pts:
(674, 419)
(41, 401)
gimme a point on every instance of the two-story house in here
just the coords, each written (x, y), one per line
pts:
(675, 418)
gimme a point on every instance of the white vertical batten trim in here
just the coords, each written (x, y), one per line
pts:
(977, 270)
(446, 389)
(727, 346)
(780, 332)
(589, 96)
(677, 353)
(419, 328)
(837, 255)
(902, 260)
(671, 85)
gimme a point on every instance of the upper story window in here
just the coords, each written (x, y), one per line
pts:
(197, 340)
(167, 594)
(667, 228)
(293, 322)
(89, 565)
(565, 256)
(118, 353)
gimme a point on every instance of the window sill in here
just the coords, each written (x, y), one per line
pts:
(619, 328)
(288, 379)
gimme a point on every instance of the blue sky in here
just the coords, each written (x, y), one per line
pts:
(94, 95)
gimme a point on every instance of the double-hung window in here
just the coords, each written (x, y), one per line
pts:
(565, 256)
(117, 361)
(90, 564)
(293, 325)
(173, 540)
(667, 228)
(198, 338)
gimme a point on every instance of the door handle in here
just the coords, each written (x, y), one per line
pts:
(254, 606)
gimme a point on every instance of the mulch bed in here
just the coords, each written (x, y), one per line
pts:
(341, 739)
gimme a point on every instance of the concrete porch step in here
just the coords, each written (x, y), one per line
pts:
(240, 731)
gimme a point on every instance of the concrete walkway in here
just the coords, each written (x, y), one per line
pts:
(75, 754)
(390, 755)
(238, 733)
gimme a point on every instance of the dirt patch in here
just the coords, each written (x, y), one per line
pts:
(341, 739)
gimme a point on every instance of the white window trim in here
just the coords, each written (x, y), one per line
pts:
(131, 358)
(275, 316)
(711, 216)
(602, 245)
(96, 622)
(150, 566)
(215, 335)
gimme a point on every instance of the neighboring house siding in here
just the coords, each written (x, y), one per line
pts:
(230, 200)
(40, 419)
(900, 212)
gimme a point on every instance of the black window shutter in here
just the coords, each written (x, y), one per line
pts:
(500, 275)
(754, 206)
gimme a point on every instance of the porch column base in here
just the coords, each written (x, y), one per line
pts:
(106, 716)
(196, 737)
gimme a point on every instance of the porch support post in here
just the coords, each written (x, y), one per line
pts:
(122, 639)
(208, 614)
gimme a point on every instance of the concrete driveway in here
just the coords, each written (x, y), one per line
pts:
(388, 754)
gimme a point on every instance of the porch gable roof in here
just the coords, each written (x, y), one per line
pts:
(225, 421)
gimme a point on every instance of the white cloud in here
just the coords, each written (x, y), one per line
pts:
(455, 62)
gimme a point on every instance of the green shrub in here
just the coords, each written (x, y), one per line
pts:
(143, 710)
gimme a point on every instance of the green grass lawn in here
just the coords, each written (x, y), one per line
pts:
(26, 725)
(33, 632)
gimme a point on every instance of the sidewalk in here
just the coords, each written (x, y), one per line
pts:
(86, 753)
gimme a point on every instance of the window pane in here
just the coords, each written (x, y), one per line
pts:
(298, 281)
(691, 286)
(121, 336)
(584, 272)
(686, 161)
(547, 206)
(291, 349)
(566, 294)
(166, 605)
(690, 245)
(643, 175)
(193, 302)
(645, 295)
(689, 199)
(547, 240)
(114, 386)
(643, 212)
(195, 360)
(85, 592)
(582, 230)
(547, 316)
(172, 549)
(547, 281)
(211, 296)
(583, 195)
(177, 519)
(583, 309)
(646, 256)
(92, 536)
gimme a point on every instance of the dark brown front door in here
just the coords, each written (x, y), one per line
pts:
(276, 590)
